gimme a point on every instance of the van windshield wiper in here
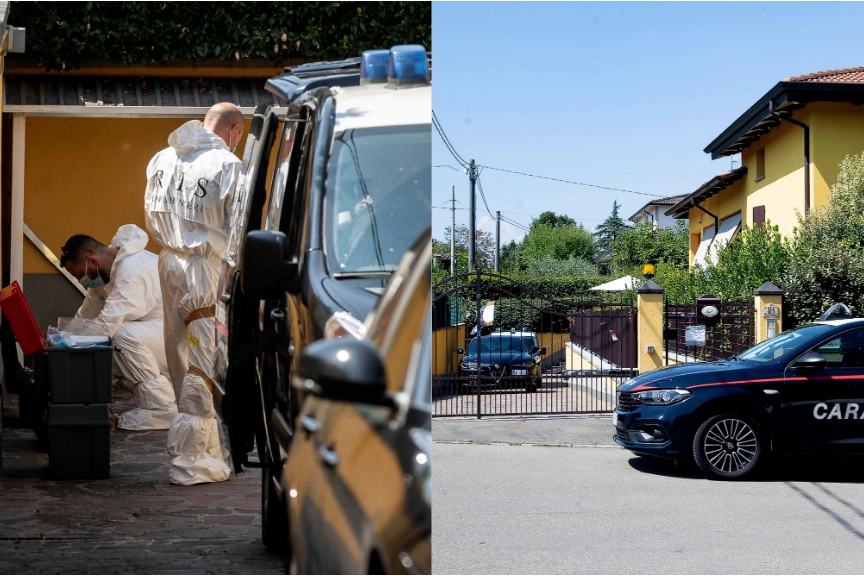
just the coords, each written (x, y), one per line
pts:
(369, 274)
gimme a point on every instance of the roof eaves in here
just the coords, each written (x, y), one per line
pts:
(714, 186)
(786, 96)
(668, 201)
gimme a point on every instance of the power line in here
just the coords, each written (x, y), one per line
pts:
(483, 196)
(572, 182)
(447, 142)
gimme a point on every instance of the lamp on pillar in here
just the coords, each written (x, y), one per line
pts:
(648, 271)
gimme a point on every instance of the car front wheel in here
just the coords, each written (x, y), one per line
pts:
(727, 447)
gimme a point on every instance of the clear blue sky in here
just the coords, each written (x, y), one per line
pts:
(625, 95)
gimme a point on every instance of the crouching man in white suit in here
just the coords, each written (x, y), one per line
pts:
(124, 300)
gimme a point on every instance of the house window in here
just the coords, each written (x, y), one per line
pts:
(758, 216)
(701, 255)
(728, 229)
(760, 165)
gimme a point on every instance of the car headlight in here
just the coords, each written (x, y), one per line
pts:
(661, 397)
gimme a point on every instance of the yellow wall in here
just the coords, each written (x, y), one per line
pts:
(836, 129)
(86, 176)
(444, 344)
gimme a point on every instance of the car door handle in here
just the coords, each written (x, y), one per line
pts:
(770, 392)
(330, 457)
(309, 423)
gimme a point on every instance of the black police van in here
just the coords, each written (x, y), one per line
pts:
(800, 393)
(313, 247)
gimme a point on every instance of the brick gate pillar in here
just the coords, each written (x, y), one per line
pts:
(649, 340)
(768, 310)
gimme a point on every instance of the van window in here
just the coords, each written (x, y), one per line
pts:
(378, 197)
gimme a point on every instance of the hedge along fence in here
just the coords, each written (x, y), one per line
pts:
(65, 35)
(535, 303)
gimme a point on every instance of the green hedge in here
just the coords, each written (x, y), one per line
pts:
(538, 302)
(64, 35)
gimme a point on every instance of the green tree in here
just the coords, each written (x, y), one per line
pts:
(644, 244)
(549, 266)
(552, 219)
(827, 262)
(485, 246)
(607, 233)
(559, 242)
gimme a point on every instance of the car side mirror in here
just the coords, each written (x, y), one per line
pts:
(264, 271)
(536, 349)
(810, 361)
(344, 369)
(460, 350)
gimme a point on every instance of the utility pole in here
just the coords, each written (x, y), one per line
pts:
(472, 240)
(453, 231)
(497, 241)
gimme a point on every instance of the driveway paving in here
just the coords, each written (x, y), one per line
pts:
(134, 522)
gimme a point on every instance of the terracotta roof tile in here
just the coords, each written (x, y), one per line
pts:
(844, 76)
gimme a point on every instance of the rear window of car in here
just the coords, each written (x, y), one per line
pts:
(786, 344)
(507, 343)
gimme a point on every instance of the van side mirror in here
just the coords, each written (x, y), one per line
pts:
(810, 361)
(460, 350)
(344, 369)
(264, 270)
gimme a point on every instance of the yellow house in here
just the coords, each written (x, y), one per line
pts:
(791, 142)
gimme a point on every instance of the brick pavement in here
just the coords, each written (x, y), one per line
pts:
(134, 522)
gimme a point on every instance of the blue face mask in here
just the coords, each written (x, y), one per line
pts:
(88, 282)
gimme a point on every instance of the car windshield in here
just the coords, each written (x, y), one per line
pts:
(378, 196)
(785, 344)
(506, 343)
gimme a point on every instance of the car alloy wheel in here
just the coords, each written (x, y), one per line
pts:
(727, 447)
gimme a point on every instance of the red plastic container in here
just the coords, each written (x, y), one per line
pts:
(24, 326)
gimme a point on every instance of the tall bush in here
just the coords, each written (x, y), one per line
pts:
(65, 35)
(827, 261)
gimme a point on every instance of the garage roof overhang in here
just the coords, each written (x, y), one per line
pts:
(130, 97)
(786, 97)
(707, 190)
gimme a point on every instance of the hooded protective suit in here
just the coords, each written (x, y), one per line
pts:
(188, 203)
(129, 309)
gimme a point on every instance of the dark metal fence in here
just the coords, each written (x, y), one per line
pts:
(731, 335)
(538, 355)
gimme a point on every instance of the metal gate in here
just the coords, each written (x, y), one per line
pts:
(731, 335)
(500, 348)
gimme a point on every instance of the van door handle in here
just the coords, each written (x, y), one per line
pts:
(330, 457)
(309, 423)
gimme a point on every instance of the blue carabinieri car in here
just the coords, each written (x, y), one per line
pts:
(800, 393)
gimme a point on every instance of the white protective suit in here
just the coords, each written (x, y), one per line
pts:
(129, 309)
(188, 203)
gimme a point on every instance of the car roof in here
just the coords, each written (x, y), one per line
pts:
(841, 322)
(376, 105)
(509, 333)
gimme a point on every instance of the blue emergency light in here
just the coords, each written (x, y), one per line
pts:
(373, 66)
(408, 65)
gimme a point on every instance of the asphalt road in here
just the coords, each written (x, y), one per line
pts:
(521, 507)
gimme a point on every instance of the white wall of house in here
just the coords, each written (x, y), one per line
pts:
(660, 219)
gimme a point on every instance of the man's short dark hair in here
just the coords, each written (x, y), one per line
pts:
(77, 246)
